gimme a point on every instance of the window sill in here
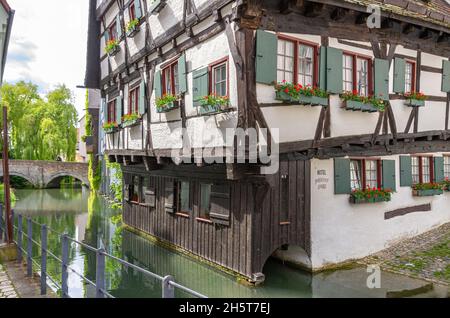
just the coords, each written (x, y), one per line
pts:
(183, 215)
(285, 223)
(204, 220)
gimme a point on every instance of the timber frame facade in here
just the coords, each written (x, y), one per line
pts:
(229, 214)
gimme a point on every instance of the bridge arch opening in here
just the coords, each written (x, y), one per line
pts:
(19, 181)
(65, 180)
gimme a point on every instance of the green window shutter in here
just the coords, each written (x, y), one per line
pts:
(342, 176)
(138, 9)
(200, 85)
(439, 169)
(106, 36)
(119, 110)
(182, 75)
(381, 89)
(323, 68)
(142, 98)
(446, 76)
(388, 173)
(158, 85)
(266, 57)
(118, 27)
(399, 75)
(334, 70)
(405, 171)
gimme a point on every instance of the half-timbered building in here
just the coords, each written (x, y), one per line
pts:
(359, 96)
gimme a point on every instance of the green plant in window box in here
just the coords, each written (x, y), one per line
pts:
(305, 95)
(132, 27)
(130, 120)
(167, 103)
(110, 127)
(427, 189)
(112, 47)
(415, 99)
(213, 104)
(446, 184)
(354, 101)
(370, 195)
(320, 97)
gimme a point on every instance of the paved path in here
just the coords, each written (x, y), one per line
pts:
(7, 289)
(425, 256)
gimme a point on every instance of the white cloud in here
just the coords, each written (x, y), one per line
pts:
(48, 44)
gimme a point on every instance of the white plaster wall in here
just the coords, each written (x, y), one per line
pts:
(299, 122)
(341, 231)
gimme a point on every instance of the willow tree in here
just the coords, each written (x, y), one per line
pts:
(41, 128)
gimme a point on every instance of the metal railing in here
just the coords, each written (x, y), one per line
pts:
(168, 283)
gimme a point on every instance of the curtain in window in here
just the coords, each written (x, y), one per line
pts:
(285, 67)
(355, 174)
(362, 80)
(305, 64)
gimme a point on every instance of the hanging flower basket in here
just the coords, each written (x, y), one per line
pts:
(130, 120)
(167, 103)
(112, 47)
(213, 104)
(370, 195)
(132, 28)
(427, 189)
(415, 99)
(156, 6)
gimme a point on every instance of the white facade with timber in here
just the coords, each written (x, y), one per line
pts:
(311, 212)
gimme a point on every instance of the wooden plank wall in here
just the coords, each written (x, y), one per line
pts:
(229, 246)
(268, 233)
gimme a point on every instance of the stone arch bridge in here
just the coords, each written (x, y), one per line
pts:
(47, 174)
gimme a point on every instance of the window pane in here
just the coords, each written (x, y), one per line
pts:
(205, 195)
(408, 77)
(426, 177)
(415, 170)
(145, 187)
(167, 80)
(372, 173)
(285, 64)
(355, 174)
(362, 76)
(175, 78)
(348, 73)
(135, 189)
(447, 167)
(306, 65)
(184, 197)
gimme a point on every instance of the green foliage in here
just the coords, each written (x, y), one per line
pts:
(41, 128)
(212, 99)
(132, 25)
(94, 174)
(116, 187)
(88, 117)
(164, 101)
(2, 196)
(427, 186)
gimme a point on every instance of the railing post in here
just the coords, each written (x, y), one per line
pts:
(168, 291)
(1, 222)
(29, 248)
(65, 262)
(100, 282)
(43, 259)
(19, 237)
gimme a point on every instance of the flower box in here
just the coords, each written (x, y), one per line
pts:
(168, 107)
(321, 101)
(427, 193)
(110, 130)
(156, 6)
(305, 100)
(377, 199)
(133, 31)
(285, 97)
(355, 105)
(415, 103)
(208, 109)
(114, 51)
(130, 123)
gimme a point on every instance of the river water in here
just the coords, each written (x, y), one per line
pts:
(89, 219)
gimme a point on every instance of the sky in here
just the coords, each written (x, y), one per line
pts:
(48, 45)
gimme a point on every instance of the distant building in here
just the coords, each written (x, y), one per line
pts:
(81, 144)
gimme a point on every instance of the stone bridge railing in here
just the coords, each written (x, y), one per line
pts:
(44, 174)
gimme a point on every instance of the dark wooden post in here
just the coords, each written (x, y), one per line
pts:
(7, 204)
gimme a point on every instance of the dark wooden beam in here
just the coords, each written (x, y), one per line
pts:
(404, 211)
(338, 14)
